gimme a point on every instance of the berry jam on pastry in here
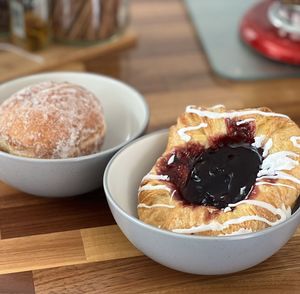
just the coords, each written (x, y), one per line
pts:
(218, 177)
(223, 173)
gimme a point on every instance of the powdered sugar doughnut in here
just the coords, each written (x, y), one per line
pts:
(51, 120)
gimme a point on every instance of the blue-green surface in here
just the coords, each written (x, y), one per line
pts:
(216, 23)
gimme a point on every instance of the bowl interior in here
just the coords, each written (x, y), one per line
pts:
(125, 111)
(187, 253)
(124, 192)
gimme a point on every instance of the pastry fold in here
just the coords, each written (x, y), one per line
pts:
(272, 197)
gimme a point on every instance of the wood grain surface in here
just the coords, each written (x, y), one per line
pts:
(14, 65)
(73, 245)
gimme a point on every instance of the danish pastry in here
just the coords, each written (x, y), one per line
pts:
(224, 172)
(51, 120)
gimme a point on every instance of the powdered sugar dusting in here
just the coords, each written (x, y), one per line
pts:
(52, 120)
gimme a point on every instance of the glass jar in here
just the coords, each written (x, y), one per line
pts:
(29, 23)
(4, 17)
(88, 21)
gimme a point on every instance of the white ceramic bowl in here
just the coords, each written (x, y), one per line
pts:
(126, 115)
(187, 253)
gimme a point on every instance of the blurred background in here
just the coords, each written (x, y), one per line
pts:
(160, 46)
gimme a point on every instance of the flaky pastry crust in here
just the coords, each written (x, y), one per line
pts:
(272, 198)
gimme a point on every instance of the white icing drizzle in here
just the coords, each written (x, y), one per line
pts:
(282, 212)
(227, 209)
(267, 147)
(184, 136)
(157, 187)
(171, 159)
(273, 165)
(156, 177)
(271, 168)
(217, 106)
(278, 161)
(216, 226)
(295, 140)
(258, 140)
(241, 231)
(283, 176)
(211, 114)
(274, 184)
(241, 122)
(143, 205)
(173, 193)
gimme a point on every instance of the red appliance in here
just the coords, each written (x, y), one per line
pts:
(272, 28)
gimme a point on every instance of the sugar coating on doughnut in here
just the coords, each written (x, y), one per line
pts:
(52, 120)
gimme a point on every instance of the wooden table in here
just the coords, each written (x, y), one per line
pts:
(73, 245)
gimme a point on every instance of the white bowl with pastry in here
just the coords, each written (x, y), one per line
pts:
(59, 130)
(217, 194)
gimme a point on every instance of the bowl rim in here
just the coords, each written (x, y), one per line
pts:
(141, 127)
(138, 222)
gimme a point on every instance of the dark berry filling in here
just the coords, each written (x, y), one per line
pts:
(225, 173)
(222, 176)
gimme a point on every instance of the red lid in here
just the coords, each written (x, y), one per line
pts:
(257, 31)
